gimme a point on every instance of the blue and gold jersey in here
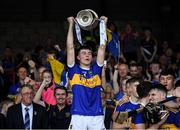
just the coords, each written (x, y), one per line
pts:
(86, 88)
(172, 122)
(129, 106)
(177, 119)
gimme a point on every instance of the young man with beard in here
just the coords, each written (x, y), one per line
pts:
(59, 114)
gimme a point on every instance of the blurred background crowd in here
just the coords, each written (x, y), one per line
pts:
(133, 54)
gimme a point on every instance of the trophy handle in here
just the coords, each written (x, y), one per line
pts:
(94, 13)
(96, 18)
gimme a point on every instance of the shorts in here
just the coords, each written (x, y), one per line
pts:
(80, 122)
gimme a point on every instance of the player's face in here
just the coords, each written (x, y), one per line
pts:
(85, 57)
(168, 81)
(156, 96)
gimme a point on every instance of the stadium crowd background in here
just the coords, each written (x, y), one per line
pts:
(31, 51)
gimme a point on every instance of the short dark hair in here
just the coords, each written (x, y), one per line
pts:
(22, 66)
(60, 87)
(159, 87)
(143, 89)
(155, 62)
(134, 79)
(166, 72)
(83, 47)
(133, 65)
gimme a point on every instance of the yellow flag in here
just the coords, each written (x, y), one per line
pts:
(57, 68)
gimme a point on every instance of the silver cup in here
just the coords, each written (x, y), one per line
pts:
(87, 19)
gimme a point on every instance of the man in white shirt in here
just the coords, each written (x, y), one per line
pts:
(27, 115)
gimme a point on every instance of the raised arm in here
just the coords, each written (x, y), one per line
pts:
(115, 78)
(103, 77)
(102, 48)
(37, 97)
(70, 42)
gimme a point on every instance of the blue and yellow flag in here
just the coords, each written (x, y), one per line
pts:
(113, 44)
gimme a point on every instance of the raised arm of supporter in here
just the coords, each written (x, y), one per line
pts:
(56, 46)
(103, 77)
(70, 42)
(102, 47)
(37, 97)
(110, 67)
(115, 78)
(30, 81)
(61, 53)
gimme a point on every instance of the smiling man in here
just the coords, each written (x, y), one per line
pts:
(59, 114)
(27, 115)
